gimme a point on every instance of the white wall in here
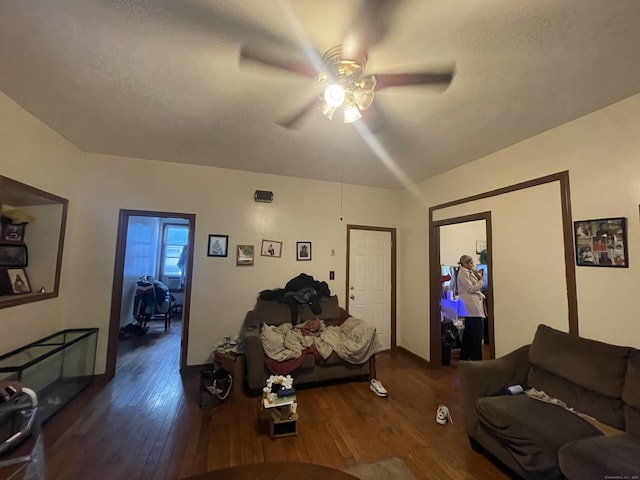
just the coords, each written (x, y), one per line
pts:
(460, 239)
(526, 225)
(98, 186)
(600, 151)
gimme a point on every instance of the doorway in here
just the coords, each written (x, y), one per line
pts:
(119, 282)
(436, 273)
(554, 186)
(459, 238)
(371, 279)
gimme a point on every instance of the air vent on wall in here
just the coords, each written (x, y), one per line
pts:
(263, 196)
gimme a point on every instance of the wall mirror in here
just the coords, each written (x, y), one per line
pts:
(32, 227)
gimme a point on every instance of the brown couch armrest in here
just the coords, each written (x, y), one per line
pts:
(254, 354)
(490, 377)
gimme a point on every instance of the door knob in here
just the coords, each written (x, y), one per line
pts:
(352, 297)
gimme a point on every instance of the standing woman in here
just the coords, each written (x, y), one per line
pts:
(470, 283)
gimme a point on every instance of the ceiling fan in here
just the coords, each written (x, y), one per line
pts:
(346, 86)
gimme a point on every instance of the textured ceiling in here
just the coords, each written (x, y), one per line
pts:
(161, 80)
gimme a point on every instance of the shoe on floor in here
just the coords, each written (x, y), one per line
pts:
(377, 388)
(442, 415)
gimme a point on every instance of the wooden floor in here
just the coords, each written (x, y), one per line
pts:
(146, 424)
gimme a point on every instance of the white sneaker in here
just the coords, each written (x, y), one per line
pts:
(377, 388)
(443, 415)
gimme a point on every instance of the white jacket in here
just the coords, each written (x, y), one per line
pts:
(469, 293)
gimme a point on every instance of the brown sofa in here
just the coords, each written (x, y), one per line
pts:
(273, 312)
(540, 440)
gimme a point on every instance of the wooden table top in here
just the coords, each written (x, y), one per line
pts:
(275, 471)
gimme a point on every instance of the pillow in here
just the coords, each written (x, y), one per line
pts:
(594, 365)
(273, 312)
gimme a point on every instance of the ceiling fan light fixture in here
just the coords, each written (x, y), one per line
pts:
(334, 95)
(351, 113)
(328, 110)
(362, 98)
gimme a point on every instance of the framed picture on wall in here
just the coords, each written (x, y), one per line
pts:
(218, 245)
(244, 255)
(18, 281)
(303, 251)
(271, 248)
(12, 232)
(13, 255)
(601, 242)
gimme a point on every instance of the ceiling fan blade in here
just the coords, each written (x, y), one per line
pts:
(370, 24)
(387, 80)
(292, 120)
(276, 61)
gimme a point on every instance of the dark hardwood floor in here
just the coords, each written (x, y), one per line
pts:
(146, 424)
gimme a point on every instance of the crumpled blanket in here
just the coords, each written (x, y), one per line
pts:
(283, 342)
(354, 341)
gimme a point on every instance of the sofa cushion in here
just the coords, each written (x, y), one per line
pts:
(632, 420)
(330, 310)
(332, 360)
(594, 365)
(606, 409)
(273, 312)
(516, 422)
(598, 458)
(631, 395)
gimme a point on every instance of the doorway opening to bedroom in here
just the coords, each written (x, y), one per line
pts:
(151, 290)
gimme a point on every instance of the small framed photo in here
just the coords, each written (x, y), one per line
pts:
(12, 232)
(303, 251)
(244, 255)
(19, 283)
(601, 242)
(271, 248)
(13, 255)
(218, 246)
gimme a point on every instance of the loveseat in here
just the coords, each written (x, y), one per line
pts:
(272, 312)
(550, 437)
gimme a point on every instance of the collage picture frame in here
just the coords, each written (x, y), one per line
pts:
(601, 242)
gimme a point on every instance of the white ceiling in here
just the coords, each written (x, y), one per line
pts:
(161, 80)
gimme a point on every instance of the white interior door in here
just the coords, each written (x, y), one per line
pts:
(370, 280)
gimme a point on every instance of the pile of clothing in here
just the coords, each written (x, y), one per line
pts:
(301, 290)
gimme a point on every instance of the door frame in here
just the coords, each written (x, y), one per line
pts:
(435, 343)
(118, 277)
(435, 347)
(392, 231)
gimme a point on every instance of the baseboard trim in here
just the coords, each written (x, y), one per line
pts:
(426, 363)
